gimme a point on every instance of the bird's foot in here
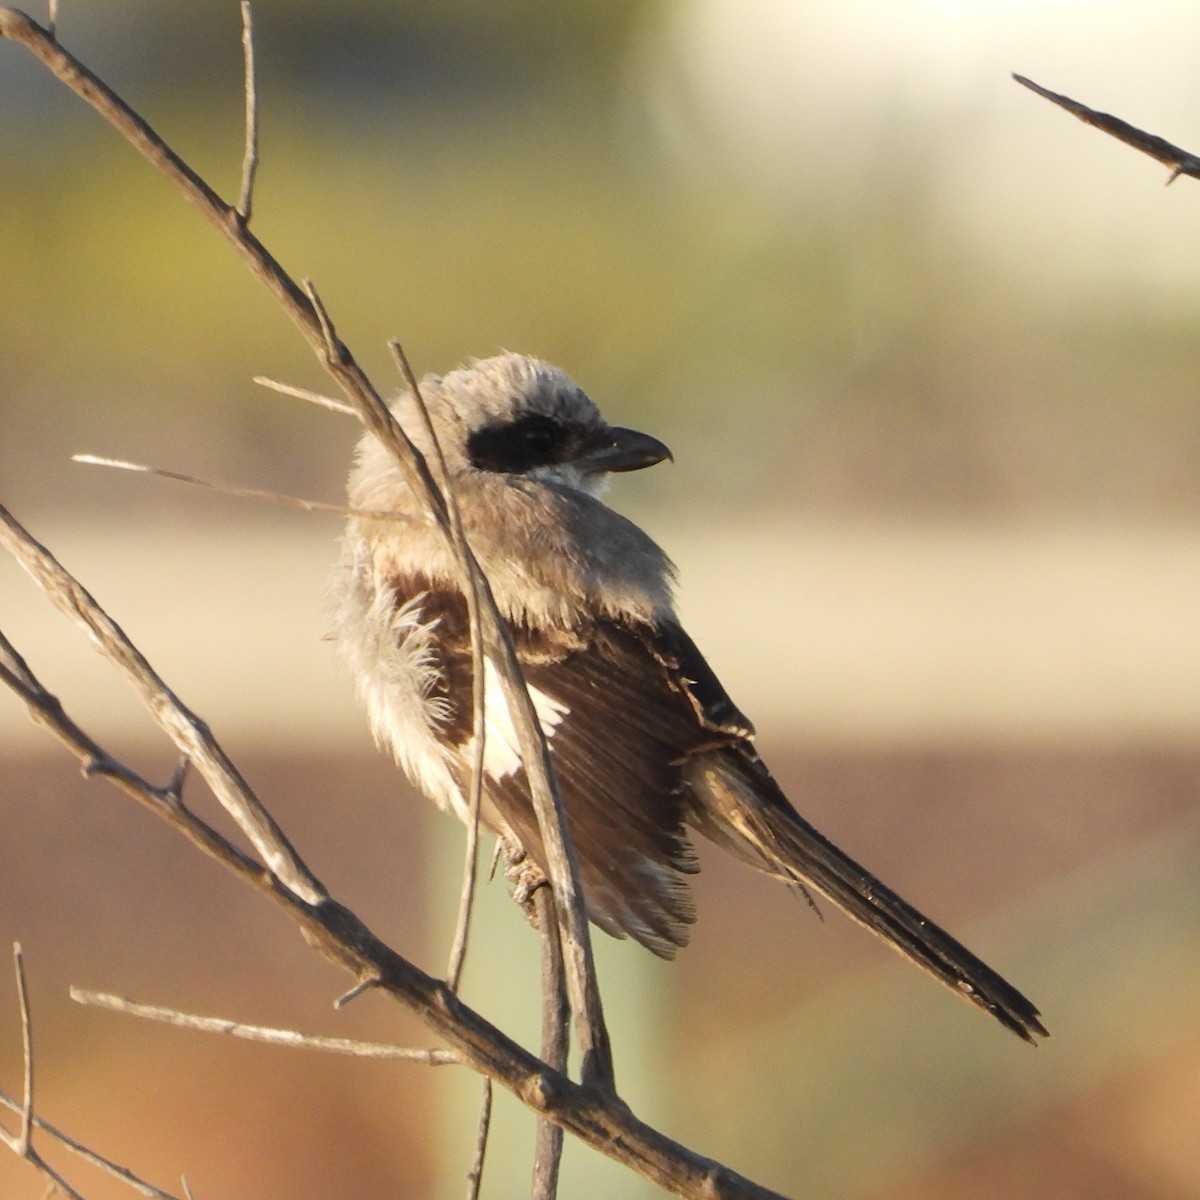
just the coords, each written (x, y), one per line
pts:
(526, 877)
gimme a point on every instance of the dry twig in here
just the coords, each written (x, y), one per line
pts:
(287, 389)
(260, 1033)
(250, 150)
(556, 1017)
(475, 1175)
(591, 1111)
(46, 711)
(229, 489)
(123, 1174)
(21, 1143)
(24, 1139)
(1180, 161)
(180, 724)
(596, 1116)
(470, 586)
(68, 1143)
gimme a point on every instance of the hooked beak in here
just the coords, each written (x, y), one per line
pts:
(618, 449)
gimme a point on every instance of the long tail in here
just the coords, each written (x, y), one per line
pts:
(740, 807)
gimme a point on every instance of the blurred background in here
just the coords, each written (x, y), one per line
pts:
(927, 352)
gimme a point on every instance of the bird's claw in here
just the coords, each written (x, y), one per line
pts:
(526, 877)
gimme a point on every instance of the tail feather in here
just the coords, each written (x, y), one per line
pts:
(739, 805)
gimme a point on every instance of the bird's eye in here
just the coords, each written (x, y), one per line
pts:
(541, 438)
(531, 441)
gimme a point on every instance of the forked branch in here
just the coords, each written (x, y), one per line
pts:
(591, 1110)
(595, 1115)
(306, 311)
(21, 1143)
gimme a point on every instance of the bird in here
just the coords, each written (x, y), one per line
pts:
(648, 748)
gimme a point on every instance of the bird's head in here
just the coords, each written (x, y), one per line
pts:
(516, 415)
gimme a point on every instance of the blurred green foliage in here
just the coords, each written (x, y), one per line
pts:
(481, 175)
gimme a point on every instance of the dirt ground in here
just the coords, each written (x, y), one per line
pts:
(1061, 847)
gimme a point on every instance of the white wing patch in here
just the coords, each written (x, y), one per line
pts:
(501, 756)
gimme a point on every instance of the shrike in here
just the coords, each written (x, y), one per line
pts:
(646, 744)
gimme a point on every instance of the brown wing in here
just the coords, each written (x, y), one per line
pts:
(636, 702)
(648, 740)
(618, 751)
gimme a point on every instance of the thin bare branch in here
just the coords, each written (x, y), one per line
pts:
(287, 389)
(475, 1175)
(46, 711)
(14, 665)
(188, 732)
(39, 1164)
(89, 1156)
(556, 1017)
(596, 1117)
(261, 1033)
(1181, 162)
(466, 899)
(305, 309)
(250, 151)
(591, 1111)
(441, 483)
(470, 586)
(229, 489)
(24, 1138)
(331, 349)
(52, 26)
(363, 985)
(21, 1143)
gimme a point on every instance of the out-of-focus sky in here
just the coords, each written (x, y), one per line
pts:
(926, 351)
